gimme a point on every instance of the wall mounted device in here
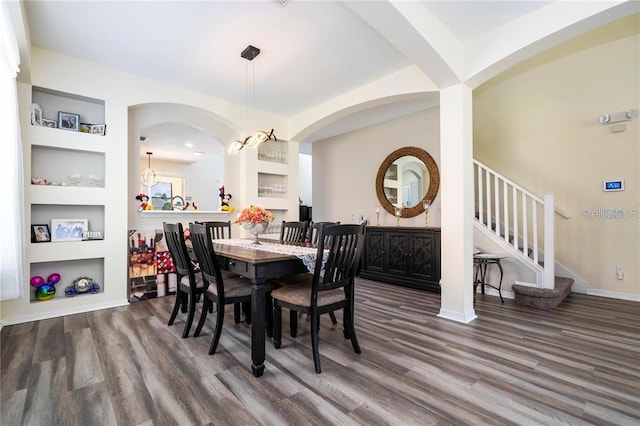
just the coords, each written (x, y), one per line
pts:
(613, 185)
(617, 117)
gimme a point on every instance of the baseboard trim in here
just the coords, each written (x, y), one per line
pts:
(463, 317)
(60, 313)
(614, 295)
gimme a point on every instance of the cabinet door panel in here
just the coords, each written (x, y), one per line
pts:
(397, 253)
(375, 252)
(422, 259)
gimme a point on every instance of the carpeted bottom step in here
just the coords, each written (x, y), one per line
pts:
(542, 298)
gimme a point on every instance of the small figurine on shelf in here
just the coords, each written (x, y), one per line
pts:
(45, 290)
(144, 202)
(39, 181)
(224, 201)
(82, 285)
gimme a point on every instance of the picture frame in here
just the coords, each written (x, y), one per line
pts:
(40, 233)
(68, 121)
(68, 229)
(49, 123)
(36, 115)
(85, 128)
(98, 129)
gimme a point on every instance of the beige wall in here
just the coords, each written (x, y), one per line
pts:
(345, 168)
(537, 124)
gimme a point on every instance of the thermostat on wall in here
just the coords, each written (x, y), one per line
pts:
(613, 185)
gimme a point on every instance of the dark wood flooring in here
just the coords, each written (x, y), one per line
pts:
(578, 364)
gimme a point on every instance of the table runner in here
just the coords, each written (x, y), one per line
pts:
(306, 254)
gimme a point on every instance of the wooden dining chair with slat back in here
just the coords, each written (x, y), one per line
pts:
(190, 285)
(220, 291)
(222, 230)
(218, 229)
(314, 231)
(331, 287)
(293, 232)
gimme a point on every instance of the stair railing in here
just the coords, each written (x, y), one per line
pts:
(516, 216)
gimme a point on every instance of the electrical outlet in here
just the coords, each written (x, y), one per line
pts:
(620, 272)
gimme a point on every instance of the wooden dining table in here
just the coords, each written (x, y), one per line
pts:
(258, 266)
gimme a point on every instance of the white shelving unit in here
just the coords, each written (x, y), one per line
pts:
(273, 181)
(74, 164)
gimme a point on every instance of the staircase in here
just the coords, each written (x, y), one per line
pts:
(523, 224)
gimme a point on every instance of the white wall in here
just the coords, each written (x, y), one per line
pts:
(537, 124)
(306, 177)
(345, 168)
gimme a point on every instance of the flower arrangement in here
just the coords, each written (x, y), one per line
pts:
(254, 214)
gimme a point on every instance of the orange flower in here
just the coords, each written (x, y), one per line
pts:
(254, 214)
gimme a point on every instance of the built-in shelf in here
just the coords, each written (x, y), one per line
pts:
(69, 271)
(81, 168)
(272, 185)
(90, 110)
(274, 151)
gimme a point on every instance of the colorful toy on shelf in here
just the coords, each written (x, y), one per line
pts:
(82, 285)
(224, 201)
(144, 202)
(45, 290)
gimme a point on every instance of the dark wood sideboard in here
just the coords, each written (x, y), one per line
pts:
(403, 255)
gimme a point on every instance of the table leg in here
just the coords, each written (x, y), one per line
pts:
(500, 284)
(257, 327)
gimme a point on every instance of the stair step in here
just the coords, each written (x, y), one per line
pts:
(542, 298)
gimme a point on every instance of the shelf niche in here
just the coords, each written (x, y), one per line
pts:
(46, 163)
(90, 110)
(43, 213)
(69, 270)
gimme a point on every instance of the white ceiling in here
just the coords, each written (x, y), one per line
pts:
(312, 51)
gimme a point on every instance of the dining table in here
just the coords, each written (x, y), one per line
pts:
(259, 263)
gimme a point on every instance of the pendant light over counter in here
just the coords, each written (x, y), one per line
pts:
(261, 136)
(148, 176)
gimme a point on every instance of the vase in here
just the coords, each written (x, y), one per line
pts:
(256, 229)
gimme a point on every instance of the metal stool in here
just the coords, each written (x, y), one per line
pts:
(480, 263)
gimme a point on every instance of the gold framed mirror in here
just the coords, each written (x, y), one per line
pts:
(406, 178)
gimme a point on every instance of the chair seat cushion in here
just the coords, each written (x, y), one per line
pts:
(233, 287)
(300, 294)
(184, 282)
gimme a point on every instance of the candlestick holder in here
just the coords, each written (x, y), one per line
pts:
(377, 215)
(398, 214)
(426, 204)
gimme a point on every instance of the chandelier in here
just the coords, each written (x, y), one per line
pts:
(261, 136)
(148, 176)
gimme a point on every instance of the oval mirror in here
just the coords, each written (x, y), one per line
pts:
(406, 179)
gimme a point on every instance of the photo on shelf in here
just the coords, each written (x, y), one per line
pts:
(68, 229)
(36, 115)
(49, 123)
(85, 128)
(68, 121)
(98, 129)
(40, 233)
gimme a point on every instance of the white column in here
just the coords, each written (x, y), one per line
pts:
(456, 158)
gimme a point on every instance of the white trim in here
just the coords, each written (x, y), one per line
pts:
(60, 313)
(464, 318)
(614, 295)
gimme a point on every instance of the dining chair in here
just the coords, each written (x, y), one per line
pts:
(314, 228)
(221, 230)
(294, 232)
(190, 285)
(219, 291)
(330, 288)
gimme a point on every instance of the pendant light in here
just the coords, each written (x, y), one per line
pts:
(148, 176)
(261, 136)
